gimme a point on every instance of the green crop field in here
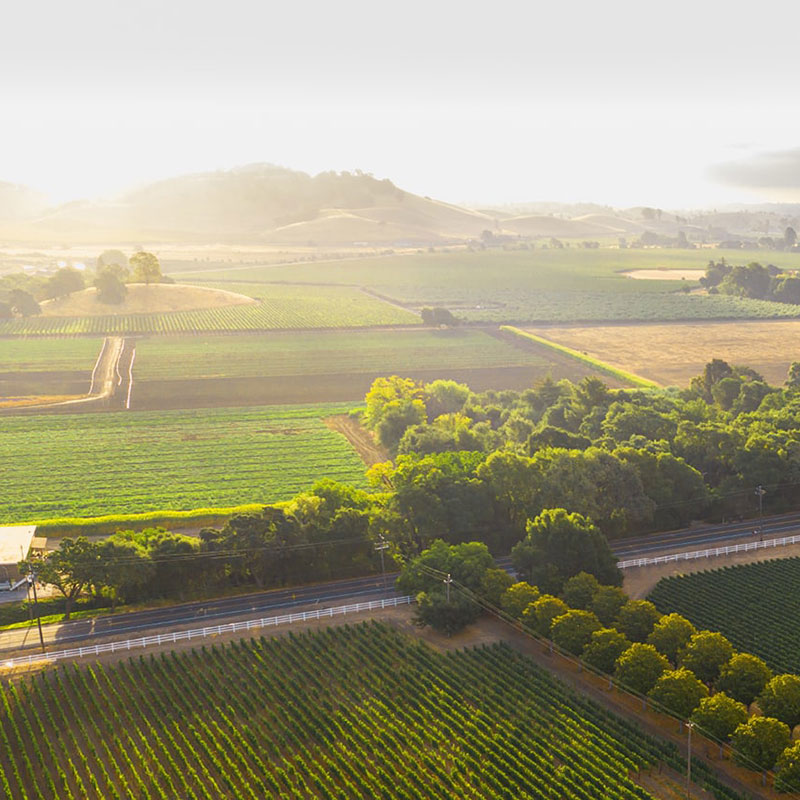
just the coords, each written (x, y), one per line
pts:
(280, 306)
(755, 605)
(48, 355)
(349, 712)
(250, 355)
(554, 285)
(86, 465)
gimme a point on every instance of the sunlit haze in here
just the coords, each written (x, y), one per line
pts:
(680, 105)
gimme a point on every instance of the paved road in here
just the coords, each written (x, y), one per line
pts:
(190, 615)
(194, 615)
(706, 536)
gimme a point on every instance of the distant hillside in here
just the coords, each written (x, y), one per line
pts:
(265, 203)
(19, 203)
(588, 225)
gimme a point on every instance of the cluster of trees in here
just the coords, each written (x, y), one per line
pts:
(754, 280)
(653, 239)
(20, 293)
(114, 270)
(786, 242)
(480, 465)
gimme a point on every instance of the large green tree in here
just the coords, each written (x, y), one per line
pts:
(758, 743)
(518, 597)
(559, 545)
(146, 268)
(637, 619)
(70, 569)
(540, 614)
(65, 281)
(639, 667)
(781, 699)
(604, 648)
(744, 677)
(671, 634)
(573, 631)
(719, 715)
(705, 654)
(679, 691)
(467, 563)
(607, 602)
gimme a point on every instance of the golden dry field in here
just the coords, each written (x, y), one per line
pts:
(142, 299)
(671, 354)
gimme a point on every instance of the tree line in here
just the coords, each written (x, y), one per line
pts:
(695, 675)
(753, 280)
(548, 474)
(21, 293)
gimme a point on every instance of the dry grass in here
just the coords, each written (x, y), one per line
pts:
(665, 274)
(671, 354)
(142, 299)
(35, 399)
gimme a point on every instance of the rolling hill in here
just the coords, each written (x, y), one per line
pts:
(261, 203)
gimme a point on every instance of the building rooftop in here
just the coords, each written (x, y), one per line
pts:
(15, 541)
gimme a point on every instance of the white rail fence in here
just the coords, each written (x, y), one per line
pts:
(711, 552)
(201, 633)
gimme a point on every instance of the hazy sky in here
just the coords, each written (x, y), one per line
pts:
(676, 104)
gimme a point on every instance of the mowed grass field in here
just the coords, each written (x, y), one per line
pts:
(347, 712)
(279, 306)
(273, 355)
(85, 465)
(554, 285)
(672, 354)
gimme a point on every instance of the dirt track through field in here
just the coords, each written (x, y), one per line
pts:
(361, 440)
(109, 379)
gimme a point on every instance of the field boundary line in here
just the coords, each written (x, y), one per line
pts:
(97, 364)
(710, 552)
(202, 633)
(130, 379)
(589, 361)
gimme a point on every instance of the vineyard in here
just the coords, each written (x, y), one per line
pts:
(348, 712)
(755, 605)
(540, 285)
(38, 355)
(313, 353)
(280, 306)
(87, 465)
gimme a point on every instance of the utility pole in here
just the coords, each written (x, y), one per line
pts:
(32, 582)
(381, 547)
(760, 491)
(447, 581)
(689, 725)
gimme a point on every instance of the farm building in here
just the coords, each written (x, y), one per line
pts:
(15, 542)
